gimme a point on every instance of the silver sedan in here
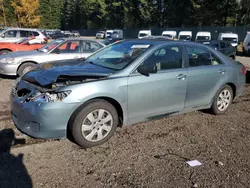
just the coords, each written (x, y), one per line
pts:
(18, 63)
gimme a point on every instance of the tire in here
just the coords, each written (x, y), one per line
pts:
(227, 101)
(24, 68)
(94, 134)
(4, 52)
(232, 57)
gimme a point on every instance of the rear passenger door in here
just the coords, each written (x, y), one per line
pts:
(206, 74)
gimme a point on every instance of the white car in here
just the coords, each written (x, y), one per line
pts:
(108, 33)
(16, 34)
(203, 37)
(144, 33)
(246, 44)
(169, 34)
(230, 37)
(185, 36)
(100, 35)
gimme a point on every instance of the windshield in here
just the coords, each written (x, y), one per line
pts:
(167, 35)
(115, 32)
(230, 39)
(50, 46)
(185, 37)
(118, 55)
(200, 38)
(2, 31)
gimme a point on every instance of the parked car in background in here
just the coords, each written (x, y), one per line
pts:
(15, 34)
(246, 44)
(224, 47)
(100, 35)
(108, 33)
(56, 35)
(75, 33)
(169, 34)
(157, 37)
(144, 33)
(18, 63)
(230, 37)
(123, 84)
(117, 34)
(67, 33)
(22, 45)
(203, 37)
(185, 36)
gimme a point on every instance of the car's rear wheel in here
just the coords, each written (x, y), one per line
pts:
(222, 100)
(94, 124)
(4, 52)
(24, 68)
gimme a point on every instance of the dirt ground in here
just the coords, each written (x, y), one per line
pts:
(151, 154)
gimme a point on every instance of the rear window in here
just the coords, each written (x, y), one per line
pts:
(143, 34)
(202, 38)
(230, 39)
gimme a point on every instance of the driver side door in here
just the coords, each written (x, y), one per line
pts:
(161, 93)
(68, 50)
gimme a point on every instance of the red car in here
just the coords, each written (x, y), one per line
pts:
(22, 45)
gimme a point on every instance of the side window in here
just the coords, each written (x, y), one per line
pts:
(36, 34)
(169, 57)
(198, 56)
(10, 34)
(215, 60)
(24, 34)
(222, 45)
(68, 47)
(90, 47)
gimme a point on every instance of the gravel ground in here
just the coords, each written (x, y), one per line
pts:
(151, 154)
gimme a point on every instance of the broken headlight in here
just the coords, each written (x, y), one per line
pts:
(50, 97)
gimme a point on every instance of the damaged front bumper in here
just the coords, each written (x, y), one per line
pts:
(40, 120)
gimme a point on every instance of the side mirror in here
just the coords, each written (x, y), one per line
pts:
(57, 51)
(2, 36)
(146, 69)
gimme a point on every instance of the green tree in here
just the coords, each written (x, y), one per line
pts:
(245, 12)
(50, 11)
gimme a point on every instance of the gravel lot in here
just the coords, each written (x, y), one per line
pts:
(151, 154)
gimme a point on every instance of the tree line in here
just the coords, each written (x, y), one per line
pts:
(96, 14)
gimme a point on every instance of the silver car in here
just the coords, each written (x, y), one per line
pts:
(18, 63)
(125, 83)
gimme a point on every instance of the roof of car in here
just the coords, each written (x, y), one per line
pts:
(22, 29)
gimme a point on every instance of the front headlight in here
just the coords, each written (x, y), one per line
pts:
(7, 60)
(50, 97)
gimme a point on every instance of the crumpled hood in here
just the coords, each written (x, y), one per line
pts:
(48, 73)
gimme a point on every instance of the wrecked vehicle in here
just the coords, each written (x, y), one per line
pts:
(125, 83)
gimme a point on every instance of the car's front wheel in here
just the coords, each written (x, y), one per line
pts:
(94, 124)
(222, 100)
(25, 67)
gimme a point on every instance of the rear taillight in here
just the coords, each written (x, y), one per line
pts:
(244, 70)
(46, 39)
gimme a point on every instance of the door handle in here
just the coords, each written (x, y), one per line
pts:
(222, 71)
(181, 77)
